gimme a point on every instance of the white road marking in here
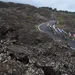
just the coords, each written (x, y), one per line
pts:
(41, 25)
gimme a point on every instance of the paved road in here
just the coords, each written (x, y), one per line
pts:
(58, 38)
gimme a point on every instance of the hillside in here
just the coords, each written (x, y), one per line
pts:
(24, 50)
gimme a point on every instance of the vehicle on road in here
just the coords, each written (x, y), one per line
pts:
(49, 27)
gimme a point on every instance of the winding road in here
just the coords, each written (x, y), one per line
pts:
(43, 28)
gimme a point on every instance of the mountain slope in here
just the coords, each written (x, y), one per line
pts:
(24, 50)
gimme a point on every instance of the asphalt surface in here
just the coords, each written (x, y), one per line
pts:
(55, 37)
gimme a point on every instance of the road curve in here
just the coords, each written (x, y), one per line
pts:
(43, 28)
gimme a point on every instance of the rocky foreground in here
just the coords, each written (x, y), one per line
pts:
(24, 50)
(43, 59)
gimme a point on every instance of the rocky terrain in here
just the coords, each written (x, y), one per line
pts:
(24, 50)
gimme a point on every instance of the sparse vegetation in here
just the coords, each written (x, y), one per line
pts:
(60, 20)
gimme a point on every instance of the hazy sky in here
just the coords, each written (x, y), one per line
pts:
(59, 4)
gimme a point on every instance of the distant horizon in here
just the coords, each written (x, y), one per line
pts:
(34, 3)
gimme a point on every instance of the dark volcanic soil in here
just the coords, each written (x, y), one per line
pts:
(24, 50)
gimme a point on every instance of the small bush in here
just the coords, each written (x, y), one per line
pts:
(29, 17)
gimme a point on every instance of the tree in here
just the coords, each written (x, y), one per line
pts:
(54, 9)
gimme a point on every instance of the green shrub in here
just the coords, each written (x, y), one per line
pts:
(29, 17)
(61, 20)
